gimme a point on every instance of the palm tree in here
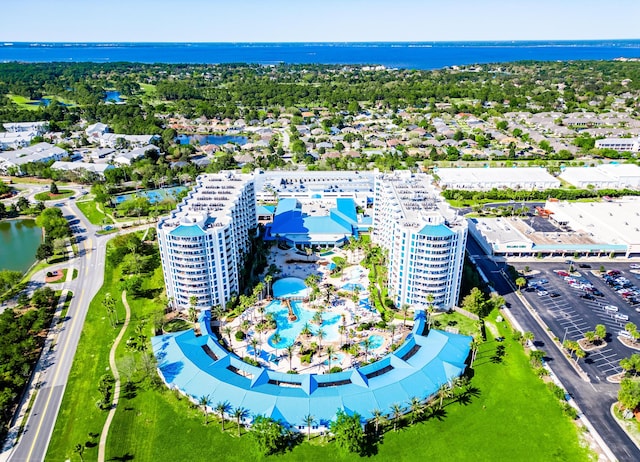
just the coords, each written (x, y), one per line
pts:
(601, 332)
(378, 418)
(309, 420)
(521, 282)
(416, 408)
(405, 311)
(290, 348)
(267, 280)
(430, 299)
(444, 392)
(330, 352)
(227, 331)
(396, 413)
(320, 334)
(254, 343)
(204, 403)
(222, 408)
(527, 337)
(341, 330)
(392, 328)
(590, 336)
(366, 344)
(580, 353)
(275, 339)
(240, 414)
(79, 449)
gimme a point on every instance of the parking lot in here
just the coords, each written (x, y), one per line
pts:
(574, 304)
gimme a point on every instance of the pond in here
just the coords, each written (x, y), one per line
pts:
(211, 139)
(19, 240)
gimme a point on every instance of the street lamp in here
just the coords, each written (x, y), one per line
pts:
(566, 329)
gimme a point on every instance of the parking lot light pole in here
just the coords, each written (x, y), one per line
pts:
(566, 329)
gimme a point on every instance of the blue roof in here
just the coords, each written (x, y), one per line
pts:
(437, 231)
(288, 205)
(187, 231)
(265, 210)
(200, 366)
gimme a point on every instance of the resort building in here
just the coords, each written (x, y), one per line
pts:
(425, 240)
(484, 179)
(203, 244)
(199, 365)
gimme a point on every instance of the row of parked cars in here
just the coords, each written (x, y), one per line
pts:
(580, 283)
(627, 290)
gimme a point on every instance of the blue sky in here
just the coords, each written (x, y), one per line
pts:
(318, 21)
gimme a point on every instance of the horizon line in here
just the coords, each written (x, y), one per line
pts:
(2, 41)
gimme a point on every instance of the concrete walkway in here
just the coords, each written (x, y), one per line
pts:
(116, 389)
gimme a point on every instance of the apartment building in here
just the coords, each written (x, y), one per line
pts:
(203, 243)
(425, 240)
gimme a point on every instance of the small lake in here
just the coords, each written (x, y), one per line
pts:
(112, 96)
(211, 139)
(19, 240)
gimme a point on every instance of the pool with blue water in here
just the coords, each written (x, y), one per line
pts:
(289, 330)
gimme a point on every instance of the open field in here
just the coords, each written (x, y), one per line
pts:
(95, 216)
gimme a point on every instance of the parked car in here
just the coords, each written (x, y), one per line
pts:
(554, 294)
(634, 266)
(587, 296)
(562, 273)
(584, 265)
(620, 317)
(542, 293)
(597, 293)
(611, 308)
(625, 334)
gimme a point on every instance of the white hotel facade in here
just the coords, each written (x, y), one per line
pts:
(425, 240)
(203, 242)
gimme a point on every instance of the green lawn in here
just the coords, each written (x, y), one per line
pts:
(95, 216)
(47, 196)
(512, 417)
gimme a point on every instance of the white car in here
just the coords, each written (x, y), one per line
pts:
(542, 293)
(611, 308)
(634, 266)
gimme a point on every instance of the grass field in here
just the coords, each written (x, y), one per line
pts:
(513, 416)
(47, 196)
(95, 216)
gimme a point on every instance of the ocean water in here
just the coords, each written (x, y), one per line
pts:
(415, 55)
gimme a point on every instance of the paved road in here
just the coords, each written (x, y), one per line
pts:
(55, 363)
(594, 399)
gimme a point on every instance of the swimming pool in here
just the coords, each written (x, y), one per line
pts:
(376, 341)
(351, 286)
(290, 288)
(289, 330)
(154, 195)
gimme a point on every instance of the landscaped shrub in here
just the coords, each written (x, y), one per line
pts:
(239, 335)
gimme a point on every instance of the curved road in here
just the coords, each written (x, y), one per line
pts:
(594, 399)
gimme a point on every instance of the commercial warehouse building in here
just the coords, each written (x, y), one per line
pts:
(484, 179)
(605, 176)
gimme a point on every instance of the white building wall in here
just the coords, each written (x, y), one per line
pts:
(420, 266)
(204, 257)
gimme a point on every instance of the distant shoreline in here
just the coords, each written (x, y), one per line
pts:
(404, 55)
